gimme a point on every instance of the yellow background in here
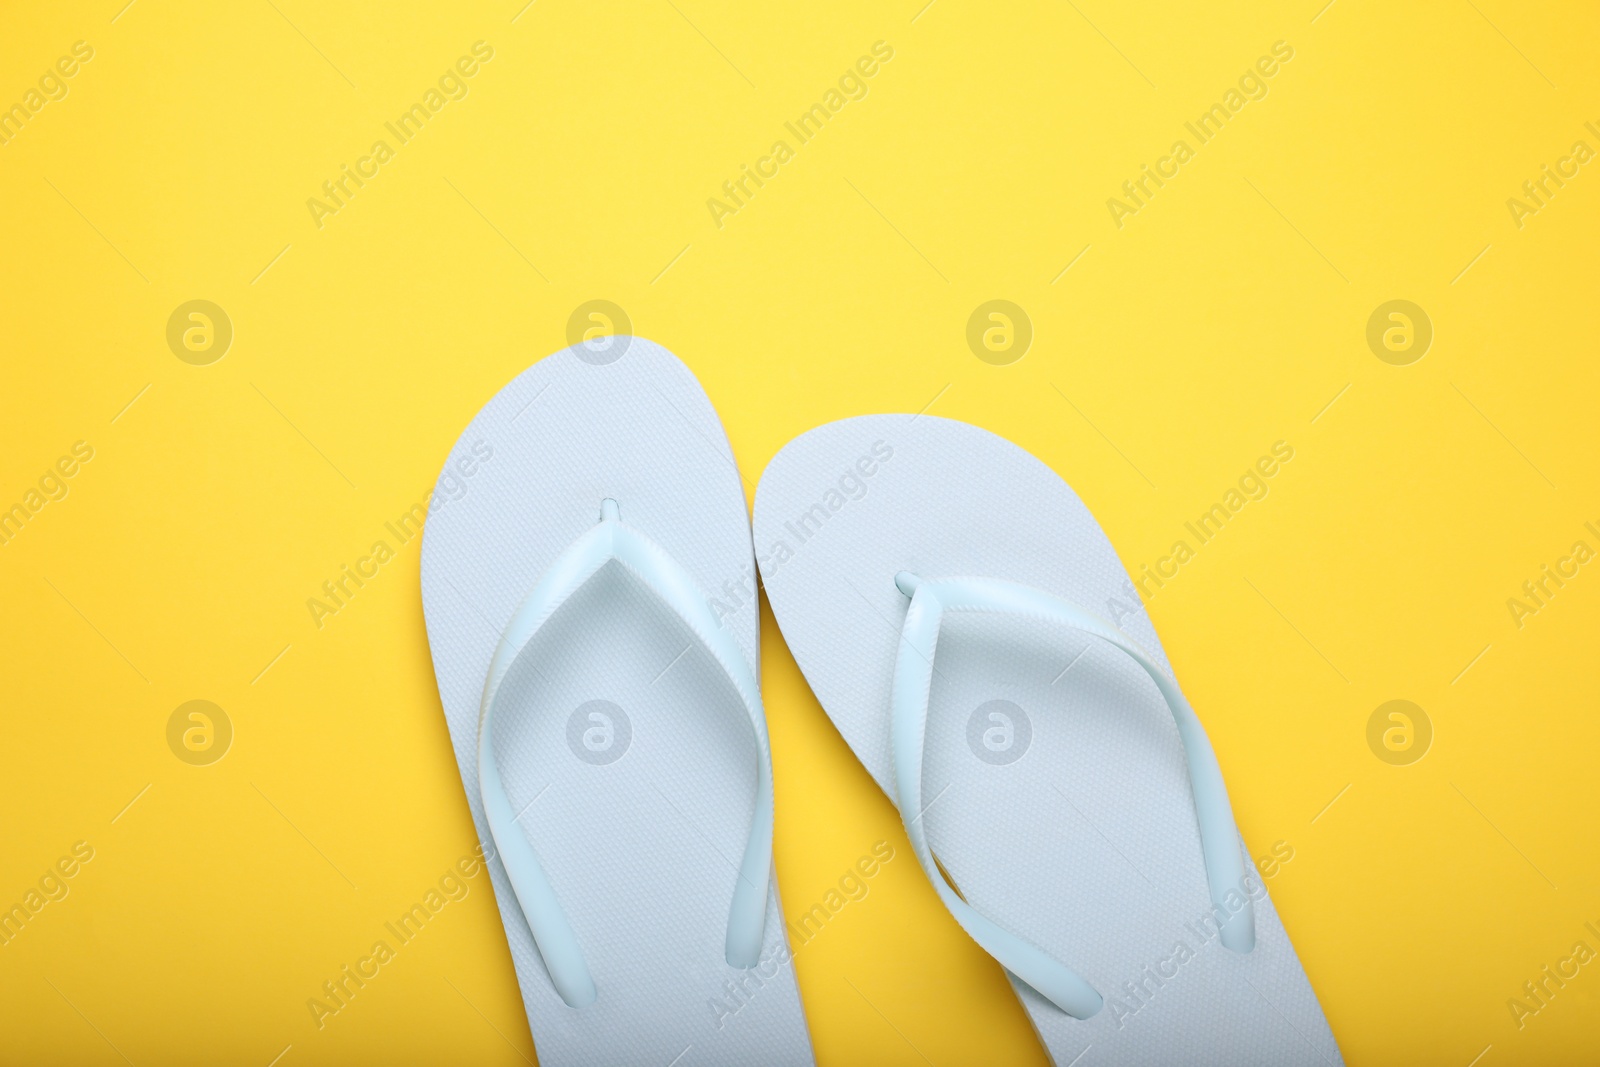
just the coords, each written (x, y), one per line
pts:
(1224, 316)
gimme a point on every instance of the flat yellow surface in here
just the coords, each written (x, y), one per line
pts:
(1174, 340)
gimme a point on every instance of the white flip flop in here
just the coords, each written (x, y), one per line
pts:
(606, 713)
(970, 631)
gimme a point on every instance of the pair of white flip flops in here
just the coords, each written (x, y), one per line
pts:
(590, 594)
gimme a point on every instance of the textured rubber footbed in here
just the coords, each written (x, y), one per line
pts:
(623, 746)
(1055, 788)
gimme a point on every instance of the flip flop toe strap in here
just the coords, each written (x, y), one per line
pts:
(552, 932)
(913, 679)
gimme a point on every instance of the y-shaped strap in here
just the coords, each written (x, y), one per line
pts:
(582, 560)
(913, 680)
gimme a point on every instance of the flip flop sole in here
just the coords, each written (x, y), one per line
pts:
(1056, 790)
(624, 749)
